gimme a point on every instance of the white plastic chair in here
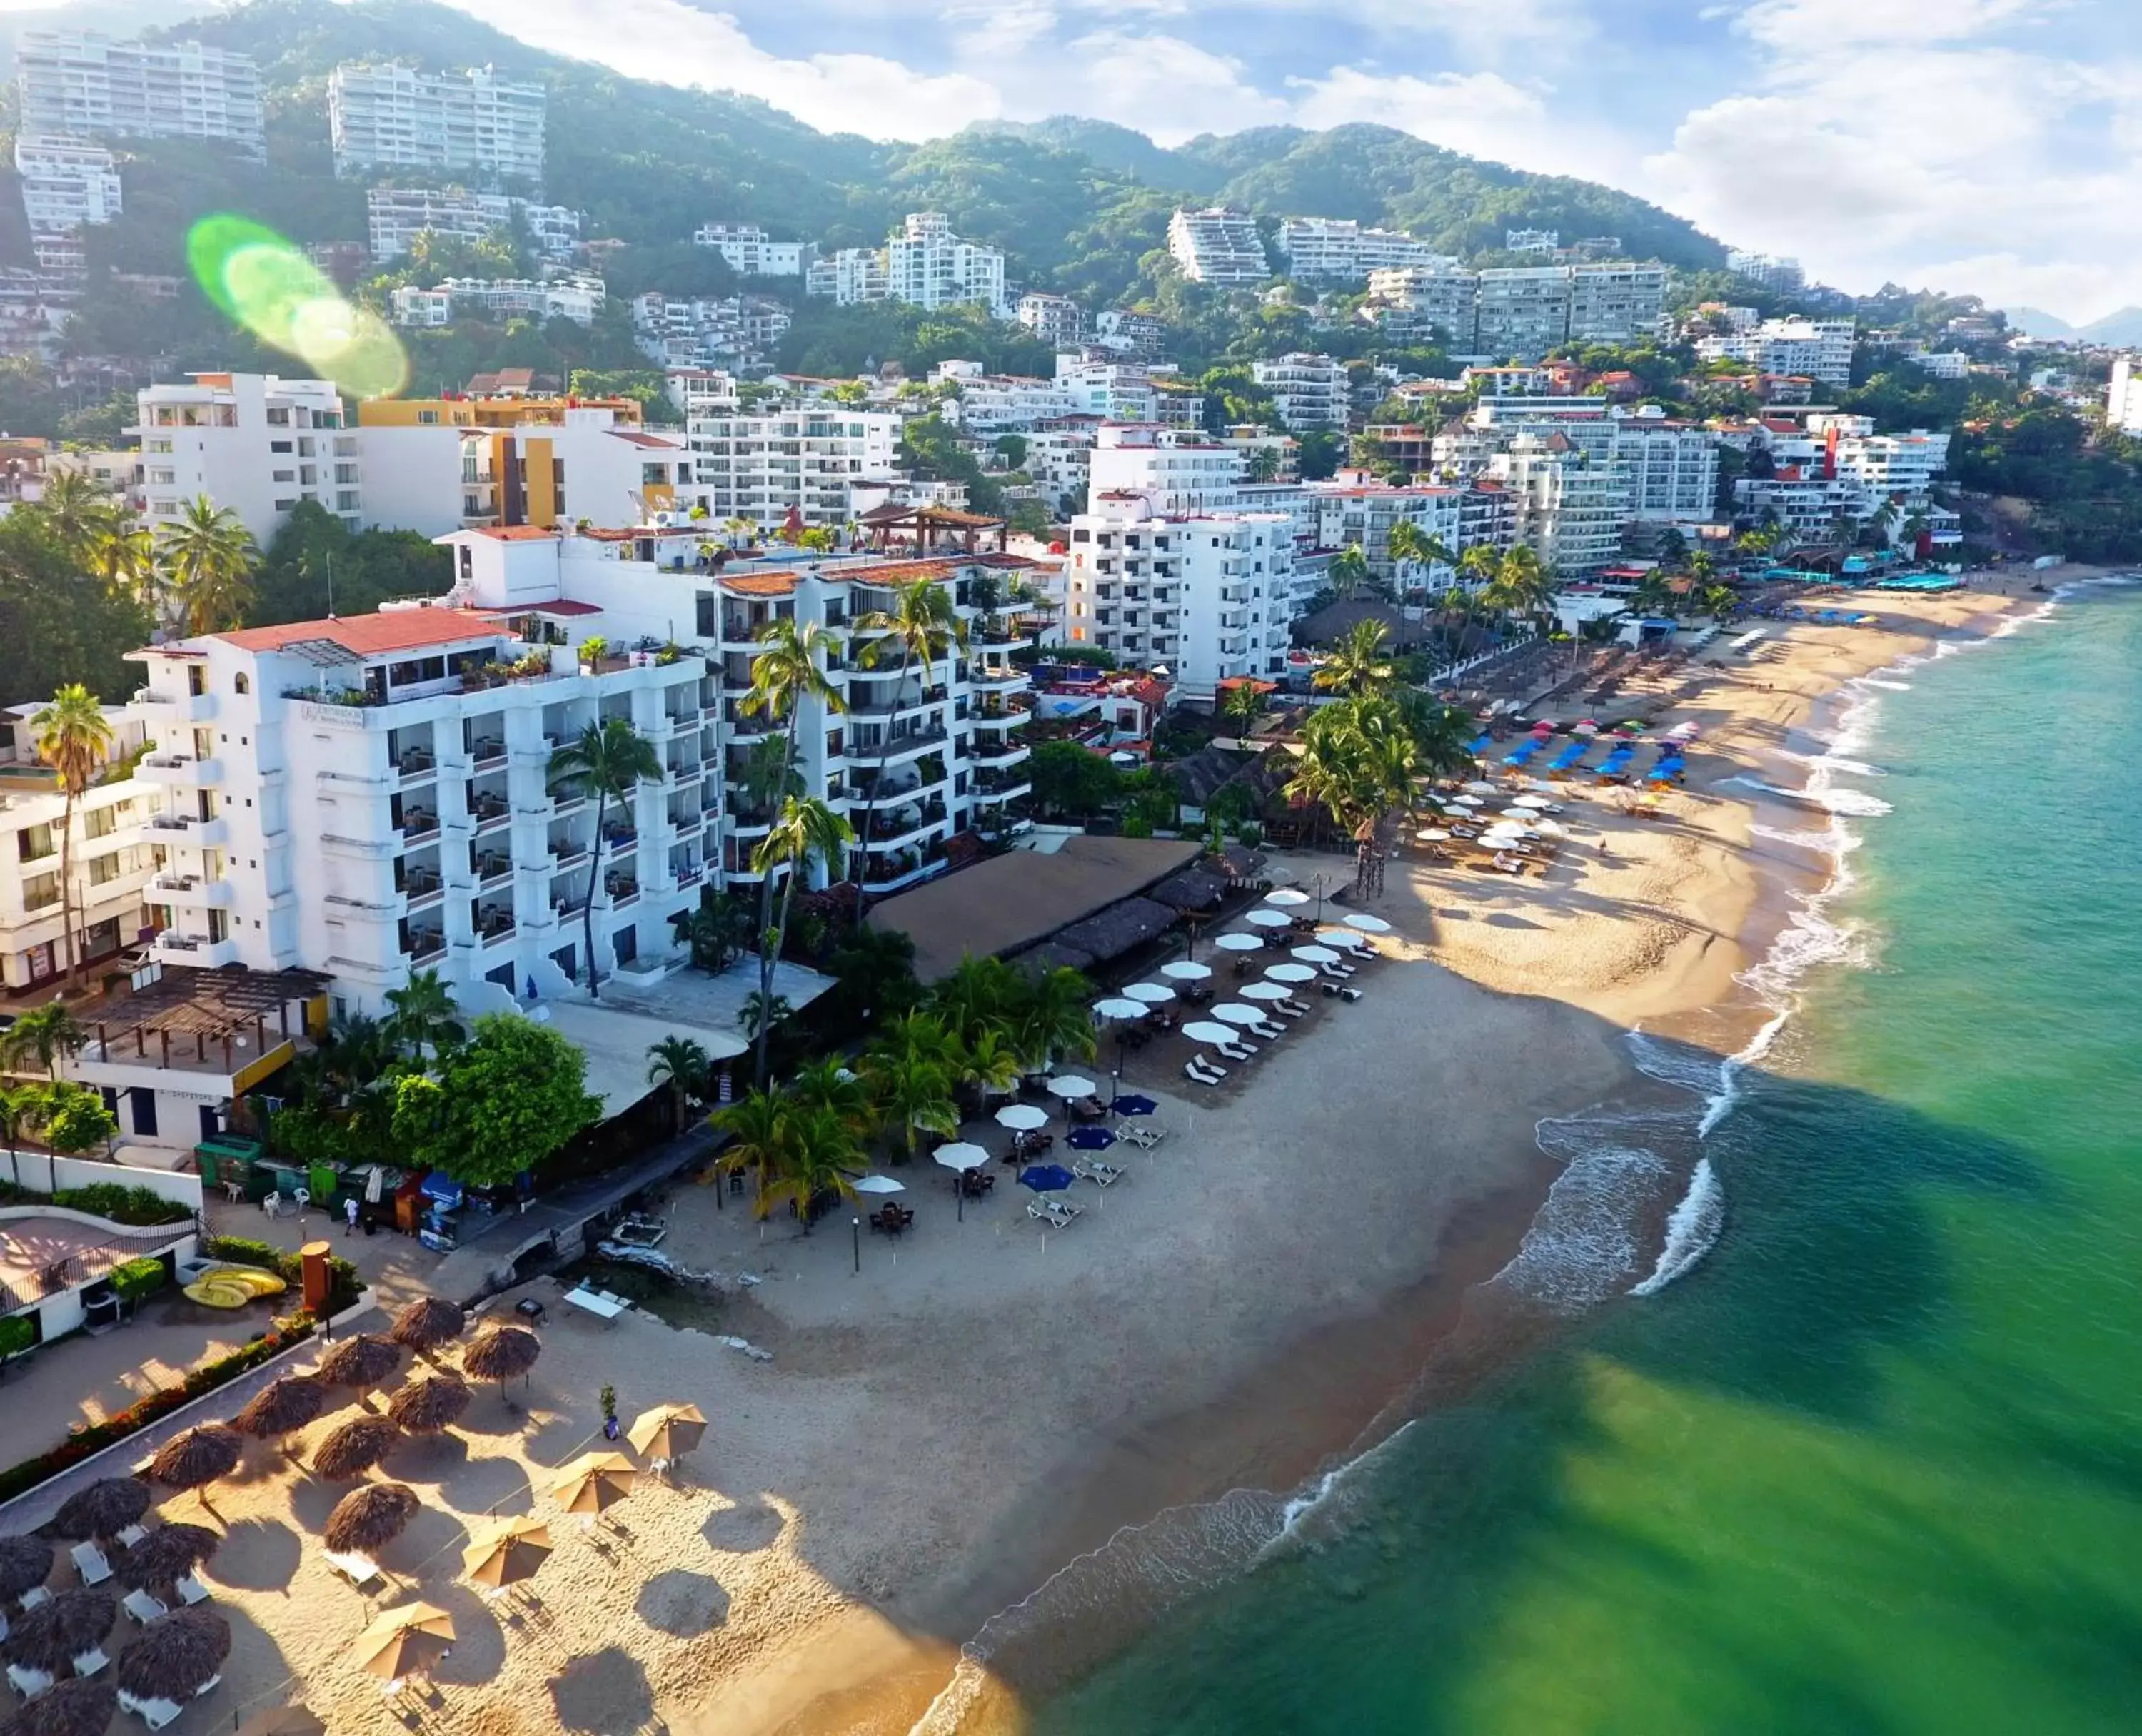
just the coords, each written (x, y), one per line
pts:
(86, 1664)
(89, 1560)
(28, 1683)
(143, 1608)
(271, 1203)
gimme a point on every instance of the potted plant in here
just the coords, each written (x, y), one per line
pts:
(593, 650)
(609, 1397)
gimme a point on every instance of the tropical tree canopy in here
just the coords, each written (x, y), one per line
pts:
(509, 1097)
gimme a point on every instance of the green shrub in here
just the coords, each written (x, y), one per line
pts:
(122, 1205)
(244, 1251)
(16, 1335)
(343, 1286)
(138, 1278)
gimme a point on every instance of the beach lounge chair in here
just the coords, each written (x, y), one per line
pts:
(132, 1534)
(1350, 994)
(1054, 1212)
(1203, 1072)
(362, 1571)
(1100, 1174)
(86, 1664)
(89, 1561)
(1144, 1138)
(32, 1598)
(1237, 1051)
(1295, 1008)
(143, 1608)
(1270, 1031)
(191, 1590)
(28, 1683)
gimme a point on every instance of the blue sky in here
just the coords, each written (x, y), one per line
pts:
(1984, 145)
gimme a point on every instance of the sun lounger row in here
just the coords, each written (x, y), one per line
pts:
(1061, 1213)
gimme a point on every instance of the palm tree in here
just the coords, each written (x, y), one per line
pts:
(421, 1013)
(978, 995)
(760, 1013)
(125, 558)
(758, 1120)
(1358, 760)
(827, 1084)
(70, 736)
(1357, 665)
(681, 1064)
(816, 1151)
(79, 513)
(1242, 705)
(1409, 545)
(208, 558)
(1521, 584)
(1442, 735)
(1349, 572)
(20, 1106)
(1055, 1018)
(1914, 526)
(806, 830)
(787, 671)
(913, 1093)
(989, 1062)
(46, 1032)
(924, 626)
(613, 760)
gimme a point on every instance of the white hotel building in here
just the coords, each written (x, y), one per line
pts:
(760, 466)
(386, 115)
(80, 84)
(1332, 249)
(751, 252)
(396, 215)
(67, 185)
(1220, 246)
(929, 266)
(255, 443)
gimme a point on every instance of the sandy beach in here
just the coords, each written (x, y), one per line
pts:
(947, 1420)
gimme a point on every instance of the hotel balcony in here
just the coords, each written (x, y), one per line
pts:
(173, 948)
(899, 824)
(421, 888)
(493, 922)
(191, 891)
(187, 829)
(415, 827)
(178, 708)
(1008, 751)
(181, 770)
(989, 791)
(426, 944)
(900, 748)
(623, 890)
(997, 678)
(493, 868)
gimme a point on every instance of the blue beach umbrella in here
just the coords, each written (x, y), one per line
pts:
(1046, 1178)
(1089, 1139)
(1130, 1103)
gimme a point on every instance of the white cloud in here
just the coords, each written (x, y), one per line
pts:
(1825, 26)
(1481, 114)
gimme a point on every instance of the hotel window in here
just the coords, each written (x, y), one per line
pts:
(33, 843)
(40, 891)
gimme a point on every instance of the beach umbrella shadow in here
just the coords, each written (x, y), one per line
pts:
(683, 1604)
(259, 1555)
(605, 1691)
(497, 1486)
(744, 1527)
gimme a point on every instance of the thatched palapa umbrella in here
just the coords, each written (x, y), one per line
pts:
(354, 1449)
(176, 1656)
(54, 1634)
(405, 1642)
(281, 1407)
(594, 1482)
(360, 1362)
(73, 1709)
(25, 1564)
(667, 1431)
(168, 1551)
(196, 1458)
(501, 1353)
(367, 1519)
(425, 1407)
(510, 1551)
(104, 1509)
(427, 1323)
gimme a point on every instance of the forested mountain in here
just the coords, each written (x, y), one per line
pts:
(1075, 203)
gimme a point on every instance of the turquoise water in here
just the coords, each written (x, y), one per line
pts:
(1873, 1465)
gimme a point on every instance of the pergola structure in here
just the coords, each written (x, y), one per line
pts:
(188, 1016)
(931, 530)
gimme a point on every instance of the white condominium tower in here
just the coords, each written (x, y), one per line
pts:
(761, 467)
(927, 264)
(388, 117)
(80, 83)
(1218, 245)
(1332, 249)
(255, 443)
(67, 185)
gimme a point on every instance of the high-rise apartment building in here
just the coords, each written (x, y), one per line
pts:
(256, 444)
(928, 265)
(82, 84)
(1782, 275)
(848, 276)
(1524, 311)
(384, 116)
(1056, 320)
(1218, 245)
(1309, 391)
(1338, 250)
(1427, 303)
(67, 185)
(1820, 349)
(574, 295)
(1570, 508)
(2123, 397)
(761, 467)
(1616, 302)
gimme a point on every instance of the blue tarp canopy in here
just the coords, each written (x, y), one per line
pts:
(1569, 756)
(1522, 755)
(1618, 760)
(1481, 742)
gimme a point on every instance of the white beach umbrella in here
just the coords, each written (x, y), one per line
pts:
(1117, 1006)
(1351, 939)
(1068, 1086)
(1238, 942)
(1235, 1013)
(1532, 801)
(1269, 919)
(1205, 1031)
(879, 1184)
(1290, 973)
(960, 1156)
(1432, 834)
(1287, 895)
(1368, 925)
(1518, 813)
(1264, 992)
(1185, 970)
(1465, 802)
(1153, 995)
(1315, 955)
(1552, 829)
(1479, 786)
(1020, 1117)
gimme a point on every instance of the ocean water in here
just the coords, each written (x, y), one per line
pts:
(1858, 1450)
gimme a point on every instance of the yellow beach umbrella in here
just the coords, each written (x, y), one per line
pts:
(501, 1554)
(667, 1431)
(594, 1482)
(404, 1642)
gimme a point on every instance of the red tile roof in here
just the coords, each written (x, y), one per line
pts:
(760, 585)
(400, 629)
(636, 438)
(515, 533)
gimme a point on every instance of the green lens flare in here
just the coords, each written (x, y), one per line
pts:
(264, 281)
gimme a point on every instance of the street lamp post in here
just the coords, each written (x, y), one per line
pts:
(856, 1228)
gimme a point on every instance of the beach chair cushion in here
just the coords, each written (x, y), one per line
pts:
(89, 1560)
(32, 1598)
